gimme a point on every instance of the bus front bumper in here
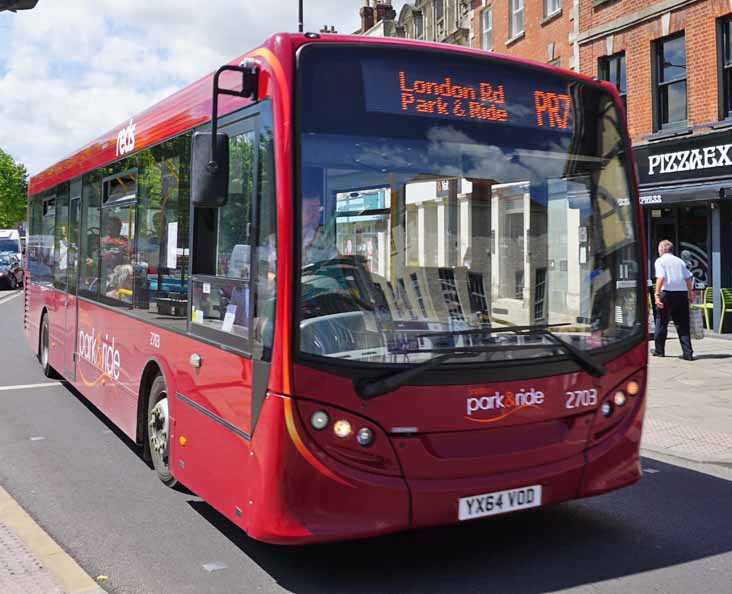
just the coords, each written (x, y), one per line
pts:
(309, 497)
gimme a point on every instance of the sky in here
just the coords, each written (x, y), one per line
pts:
(71, 70)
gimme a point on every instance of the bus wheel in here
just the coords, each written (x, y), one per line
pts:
(158, 430)
(48, 371)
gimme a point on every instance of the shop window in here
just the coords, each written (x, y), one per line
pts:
(670, 74)
(515, 18)
(725, 62)
(486, 29)
(612, 69)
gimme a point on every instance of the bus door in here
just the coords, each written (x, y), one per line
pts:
(214, 400)
(69, 251)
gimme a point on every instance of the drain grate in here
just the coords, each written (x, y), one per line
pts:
(20, 570)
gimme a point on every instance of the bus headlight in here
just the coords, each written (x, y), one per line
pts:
(319, 420)
(619, 398)
(606, 409)
(342, 428)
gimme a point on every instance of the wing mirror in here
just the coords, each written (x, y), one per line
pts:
(210, 153)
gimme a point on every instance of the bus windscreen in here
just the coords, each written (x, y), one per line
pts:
(446, 195)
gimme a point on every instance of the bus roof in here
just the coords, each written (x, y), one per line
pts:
(191, 106)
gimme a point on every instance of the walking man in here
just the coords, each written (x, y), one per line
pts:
(674, 292)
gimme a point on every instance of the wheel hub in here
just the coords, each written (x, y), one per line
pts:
(159, 424)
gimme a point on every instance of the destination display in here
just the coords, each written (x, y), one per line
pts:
(461, 93)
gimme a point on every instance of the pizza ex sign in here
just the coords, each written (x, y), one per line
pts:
(694, 158)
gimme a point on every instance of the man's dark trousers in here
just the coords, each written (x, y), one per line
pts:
(676, 308)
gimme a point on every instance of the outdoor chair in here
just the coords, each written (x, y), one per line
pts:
(726, 306)
(707, 305)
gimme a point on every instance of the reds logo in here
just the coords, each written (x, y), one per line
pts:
(126, 140)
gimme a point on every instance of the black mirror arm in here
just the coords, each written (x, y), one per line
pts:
(249, 78)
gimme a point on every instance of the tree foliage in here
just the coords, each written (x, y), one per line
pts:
(13, 191)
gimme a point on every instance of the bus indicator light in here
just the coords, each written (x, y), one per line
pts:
(633, 388)
(182, 440)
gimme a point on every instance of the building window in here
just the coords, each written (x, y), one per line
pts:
(612, 69)
(516, 18)
(551, 7)
(486, 29)
(418, 25)
(556, 62)
(726, 67)
(439, 19)
(671, 110)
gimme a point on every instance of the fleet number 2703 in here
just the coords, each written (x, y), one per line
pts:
(578, 398)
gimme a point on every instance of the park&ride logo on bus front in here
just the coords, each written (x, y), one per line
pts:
(498, 405)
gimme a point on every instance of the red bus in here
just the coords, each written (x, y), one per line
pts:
(349, 286)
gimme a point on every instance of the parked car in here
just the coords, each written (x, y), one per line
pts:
(11, 243)
(11, 274)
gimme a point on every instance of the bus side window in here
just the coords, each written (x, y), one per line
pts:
(117, 238)
(48, 225)
(221, 302)
(90, 229)
(61, 240)
(34, 235)
(161, 262)
(266, 244)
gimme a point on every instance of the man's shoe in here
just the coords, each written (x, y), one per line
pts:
(687, 357)
(657, 354)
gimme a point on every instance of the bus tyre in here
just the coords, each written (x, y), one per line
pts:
(158, 430)
(43, 349)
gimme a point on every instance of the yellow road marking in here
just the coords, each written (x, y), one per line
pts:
(72, 578)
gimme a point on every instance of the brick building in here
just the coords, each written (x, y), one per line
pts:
(672, 63)
(671, 60)
(544, 30)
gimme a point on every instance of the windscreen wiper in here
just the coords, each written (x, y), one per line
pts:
(490, 330)
(368, 388)
(372, 388)
(587, 362)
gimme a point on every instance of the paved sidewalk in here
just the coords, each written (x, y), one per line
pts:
(689, 412)
(31, 562)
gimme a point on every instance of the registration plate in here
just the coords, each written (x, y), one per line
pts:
(500, 502)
